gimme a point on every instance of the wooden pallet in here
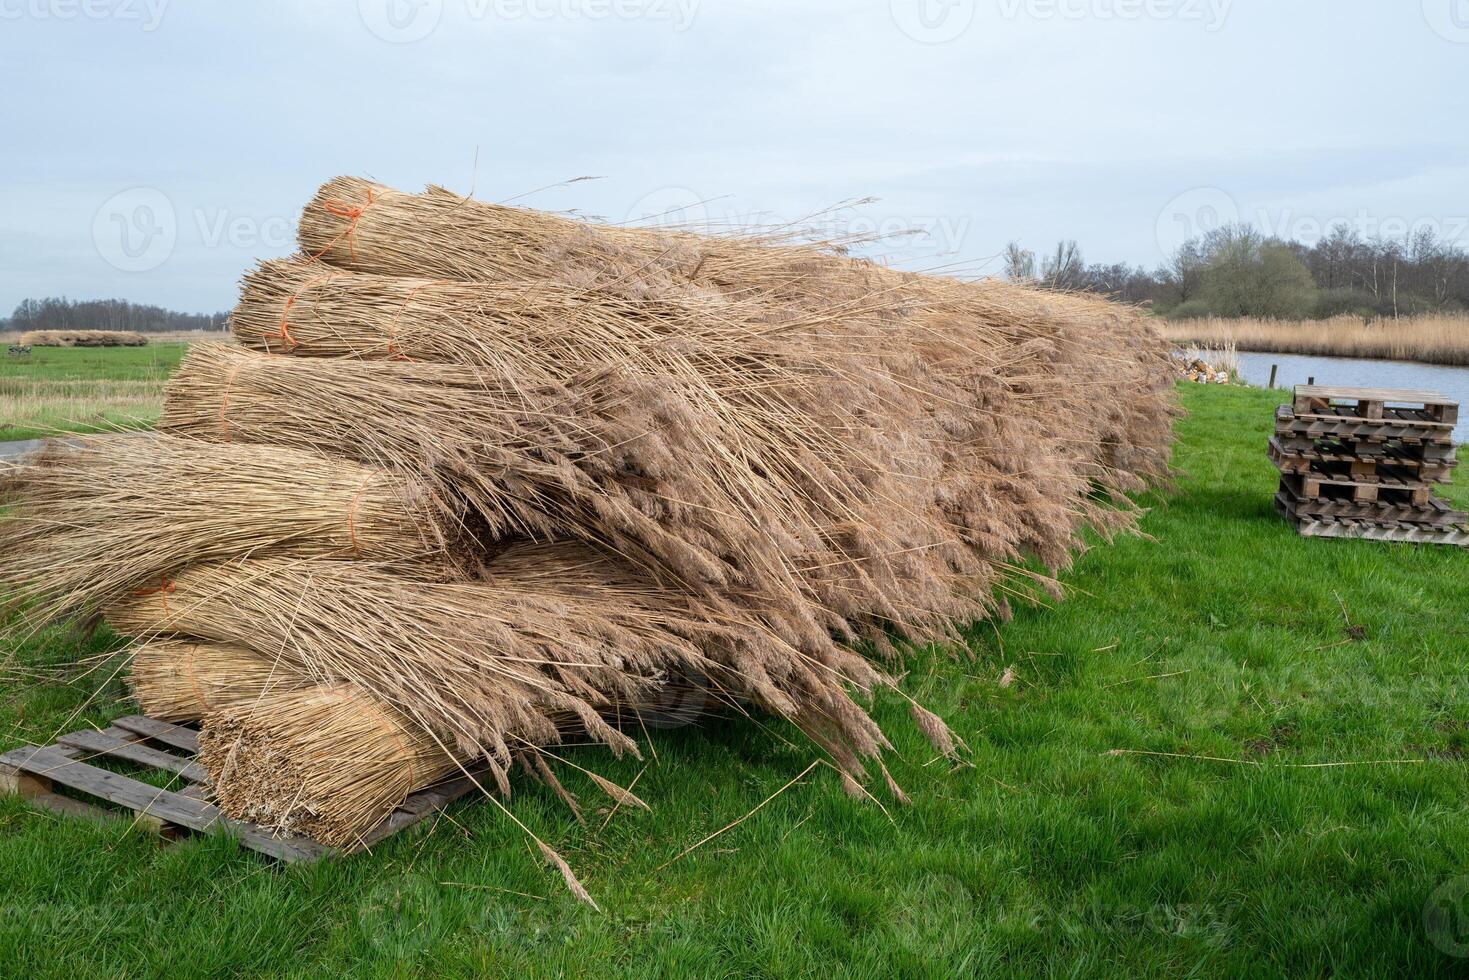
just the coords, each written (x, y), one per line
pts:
(1375, 403)
(1406, 430)
(1435, 514)
(62, 778)
(1389, 449)
(1386, 531)
(1387, 467)
(1324, 486)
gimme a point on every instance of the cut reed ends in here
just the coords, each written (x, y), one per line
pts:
(92, 519)
(328, 762)
(262, 739)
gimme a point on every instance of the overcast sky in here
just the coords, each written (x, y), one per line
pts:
(153, 148)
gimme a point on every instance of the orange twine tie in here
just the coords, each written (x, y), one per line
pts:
(353, 213)
(165, 587)
(287, 340)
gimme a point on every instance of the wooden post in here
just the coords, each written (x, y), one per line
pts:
(1273, 369)
(1310, 381)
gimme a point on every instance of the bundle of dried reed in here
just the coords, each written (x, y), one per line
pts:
(93, 519)
(322, 760)
(264, 746)
(609, 457)
(553, 631)
(187, 680)
(790, 424)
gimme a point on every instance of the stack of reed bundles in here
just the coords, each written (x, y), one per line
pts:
(474, 478)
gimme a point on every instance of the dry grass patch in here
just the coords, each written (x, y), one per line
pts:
(40, 407)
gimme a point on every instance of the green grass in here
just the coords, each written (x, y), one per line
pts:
(1224, 636)
(82, 389)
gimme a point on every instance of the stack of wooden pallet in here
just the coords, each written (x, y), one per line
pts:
(1362, 463)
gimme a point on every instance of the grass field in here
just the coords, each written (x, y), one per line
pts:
(75, 389)
(1304, 814)
(1430, 339)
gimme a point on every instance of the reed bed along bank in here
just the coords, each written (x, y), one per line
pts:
(1429, 339)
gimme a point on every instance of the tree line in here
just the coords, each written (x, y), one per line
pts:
(59, 313)
(1238, 271)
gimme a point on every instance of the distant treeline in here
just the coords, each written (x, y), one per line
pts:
(1236, 271)
(105, 314)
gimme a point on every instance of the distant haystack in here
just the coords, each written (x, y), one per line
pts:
(83, 338)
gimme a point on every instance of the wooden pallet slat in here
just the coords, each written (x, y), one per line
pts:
(139, 797)
(36, 772)
(1359, 530)
(105, 744)
(1382, 469)
(1407, 429)
(178, 736)
(1375, 403)
(1436, 513)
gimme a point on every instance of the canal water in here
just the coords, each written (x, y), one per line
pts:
(1297, 369)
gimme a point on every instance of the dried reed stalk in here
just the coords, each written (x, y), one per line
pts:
(92, 519)
(797, 433)
(1072, 379)
(186, 680)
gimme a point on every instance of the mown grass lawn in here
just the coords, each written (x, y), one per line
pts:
(83, 389)
(1305, 813)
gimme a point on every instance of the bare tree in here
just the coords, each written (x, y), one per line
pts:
(1019, 263)
(1065, 269)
